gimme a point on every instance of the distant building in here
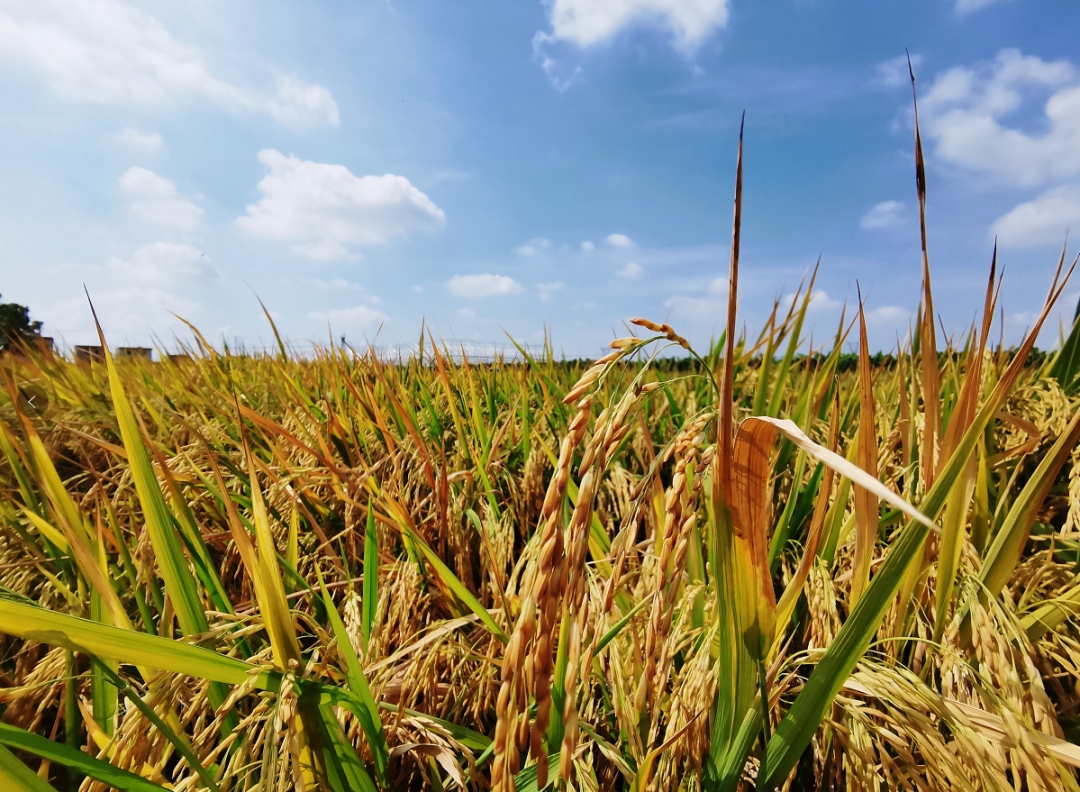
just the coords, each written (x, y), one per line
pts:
(134, 352)
(179, 357)
(89, 354)
(43, 344)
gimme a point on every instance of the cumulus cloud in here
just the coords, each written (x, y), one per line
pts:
(819, 301)
(965, 113)
(886, 214)
(892, 316)
(110, 52)
(1042, 221)
(967, 6)
(548, 290)
(157, 200)
(162, 264)
(588, 22)
(360, 317)
(138, 141)
(323, 207)
(485, 285)
(631, 271)
(620, 241)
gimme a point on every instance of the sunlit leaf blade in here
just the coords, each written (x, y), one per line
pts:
(16, 776)
(866, 502)
(33, 623)
(173, 565)
(1004, 552)
(14, 737)
(369, 717)
(370, 600)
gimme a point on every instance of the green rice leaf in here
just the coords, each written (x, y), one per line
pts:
(17, 777)
(14, 737)
(23, 619)
(358, 684)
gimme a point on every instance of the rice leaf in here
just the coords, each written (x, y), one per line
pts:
(371, 578)
(73, 759)
(16, 776)
(34, 623)
(358, 684)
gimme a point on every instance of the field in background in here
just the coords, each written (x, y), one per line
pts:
(389, 576)
(749, 568)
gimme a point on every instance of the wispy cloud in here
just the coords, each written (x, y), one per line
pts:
(156, 199)
(485, 285)
(887, 214)
(110, 52)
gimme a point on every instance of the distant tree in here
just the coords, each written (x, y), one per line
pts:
(15, 325)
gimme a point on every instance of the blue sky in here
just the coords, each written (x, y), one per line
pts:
(510, 168)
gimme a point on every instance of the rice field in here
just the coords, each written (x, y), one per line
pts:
(755, 566)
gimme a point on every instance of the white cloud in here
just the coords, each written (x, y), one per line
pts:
(137, 296)
(966, 108)
(324, 207)
(300, 104)
(123, 312)
(337, 284)
(533, 246)
(110, 52)
(620, 240)
(967, 6)
(325, 250)
(361, 317)
(588, 22)
(560, 77)
(486, 285)
(631, 271)
(1044, 220)
(163, 264)
(587, 246)
(547, 290)
(719, 286)
(695, 312)
(888, 316)
(139, 141)
(894, 72)
(886, 214)
(157, 201)
(819, 301)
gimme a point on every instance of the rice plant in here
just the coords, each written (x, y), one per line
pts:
(753, 567)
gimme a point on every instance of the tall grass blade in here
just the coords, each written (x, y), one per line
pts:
(358, 684)
(14, 737)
